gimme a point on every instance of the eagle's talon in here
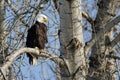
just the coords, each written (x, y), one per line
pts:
(36, 48)
(41, 50)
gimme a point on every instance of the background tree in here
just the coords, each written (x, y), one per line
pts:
(2, 32)
(85, 46)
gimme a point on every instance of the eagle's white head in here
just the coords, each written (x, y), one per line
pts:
(42, 18)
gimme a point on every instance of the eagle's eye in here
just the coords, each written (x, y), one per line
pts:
(43, 17)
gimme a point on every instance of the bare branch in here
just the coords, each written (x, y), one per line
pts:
(115, 41)
(108, 27)
(112, 23)
(32, 51)
(113, 56)
(18, 15)
(15, 12)
(86, 16)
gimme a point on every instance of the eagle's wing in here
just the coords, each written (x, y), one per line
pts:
(31, 37)
(30, 42)
(41, 32)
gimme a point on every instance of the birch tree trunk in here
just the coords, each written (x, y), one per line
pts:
(103, 68)
(2, 28)
(71, 40)
(3, 45)
(2, 32)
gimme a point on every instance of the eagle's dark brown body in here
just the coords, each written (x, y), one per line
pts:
(37, 37)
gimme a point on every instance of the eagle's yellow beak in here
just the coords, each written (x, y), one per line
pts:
(45, 20)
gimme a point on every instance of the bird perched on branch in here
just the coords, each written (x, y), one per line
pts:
(37, 37)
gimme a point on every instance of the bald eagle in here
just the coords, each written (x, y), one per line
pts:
(37, 37)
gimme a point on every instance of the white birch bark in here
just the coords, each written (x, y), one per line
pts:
(3, 45)
(71, 39)
(99, 64)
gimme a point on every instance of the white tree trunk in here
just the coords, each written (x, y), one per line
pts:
(3, 46)
(71, 39)
(101, 67)
(2, 32)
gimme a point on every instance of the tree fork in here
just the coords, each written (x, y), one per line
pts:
(71, 39)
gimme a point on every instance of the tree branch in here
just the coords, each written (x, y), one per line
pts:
(113, 56)
(33, 51)
(112, 23)
(108, 27)
(15, 12)
(116, 40)
(38, 8)
(86, 16)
